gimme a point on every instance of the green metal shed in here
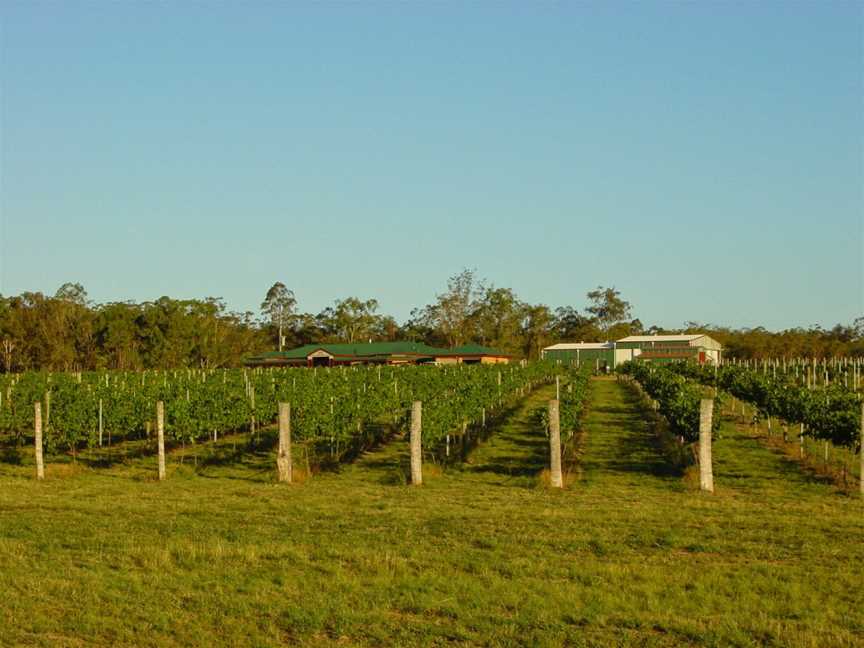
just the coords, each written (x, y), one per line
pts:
(599, 354)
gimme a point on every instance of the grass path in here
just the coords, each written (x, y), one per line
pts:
(514, 452)
(747, 466)
(627, 556)
(620, 448)
(517, 451)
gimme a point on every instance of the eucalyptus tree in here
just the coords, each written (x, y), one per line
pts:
(607, 307)
(278, 306)
(355, 320)
(497, 317)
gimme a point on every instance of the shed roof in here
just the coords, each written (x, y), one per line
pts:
(574, 346)
(662, 338)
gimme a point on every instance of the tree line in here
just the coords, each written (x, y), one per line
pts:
(68, 332)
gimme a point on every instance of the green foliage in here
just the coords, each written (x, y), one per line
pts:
(330, 407)
(607, 307)
(831, 413)
(67, 333)
(679, 398)
(575, 388)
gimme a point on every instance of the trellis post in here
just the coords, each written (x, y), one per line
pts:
(160, 434)
(556, 478)
(706, 473)
(37, 441)
(284, 463)
(416, 445)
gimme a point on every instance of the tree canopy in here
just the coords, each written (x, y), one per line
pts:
(69, 332)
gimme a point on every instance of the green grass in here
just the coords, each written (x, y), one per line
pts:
(481, 554)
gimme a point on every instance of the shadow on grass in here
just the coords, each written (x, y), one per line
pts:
(640, 442)
(388, 462)
(529, 461)
(117, 454)
(259, 452)
(517, 446)
(771, 460)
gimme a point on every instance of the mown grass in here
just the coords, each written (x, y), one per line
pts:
(481, 554)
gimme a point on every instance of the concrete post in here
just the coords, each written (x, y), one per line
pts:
(37, 441)
(556, 478)
(160, 432)
(284, 463)
(416, 445)
(706, 472)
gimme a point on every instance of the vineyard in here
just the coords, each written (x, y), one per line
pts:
(827, 410)
(572, 392)
(484, 553)
(677, 397)
(830, 411)
(808, 372)
(334, 411)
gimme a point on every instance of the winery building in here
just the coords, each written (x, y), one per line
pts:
(654, 348)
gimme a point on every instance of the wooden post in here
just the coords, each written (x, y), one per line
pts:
(416, 446)
(37, 442)
(100, 422)
(160, 433)
(706, 472)
(283, 457)
(556, 479)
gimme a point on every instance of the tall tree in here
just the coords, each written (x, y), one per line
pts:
(536, 329)
(607, 307)
(354, 320)
(497, 318)
(278, 307)
(421, 327)
(118, 335)
(623, 329)
(73, 293)
(452, 312)
(571, 326)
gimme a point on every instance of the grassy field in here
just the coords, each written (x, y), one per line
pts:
(482, 554)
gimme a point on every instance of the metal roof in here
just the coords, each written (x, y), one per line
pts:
(662, 338)
(573, 346)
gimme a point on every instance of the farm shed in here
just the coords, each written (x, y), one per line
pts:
(654, 348)
(393, 353)
(668, 348)
(601, 354)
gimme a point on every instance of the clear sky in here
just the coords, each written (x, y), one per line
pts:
(707, 159)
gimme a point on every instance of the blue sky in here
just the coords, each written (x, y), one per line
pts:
(707, 159)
